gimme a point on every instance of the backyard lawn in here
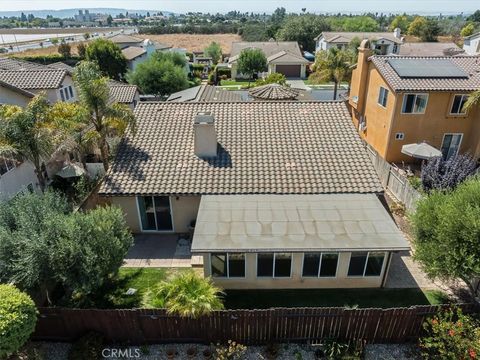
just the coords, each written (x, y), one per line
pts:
(382, 298)
(114, 295)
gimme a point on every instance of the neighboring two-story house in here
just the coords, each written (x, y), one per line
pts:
(281, 194)
(283, 57)
(382, 43)
(398, 100)
(471, 44)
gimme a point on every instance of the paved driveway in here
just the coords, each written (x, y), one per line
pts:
(298, 84)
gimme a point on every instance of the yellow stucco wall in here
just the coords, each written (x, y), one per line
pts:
(184, 210)
(296, 281)
(384, 123)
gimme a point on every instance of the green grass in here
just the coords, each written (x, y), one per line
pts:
(382, 298)
(113, 295)
(235, 82)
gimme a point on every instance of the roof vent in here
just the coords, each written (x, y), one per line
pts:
(205, 142)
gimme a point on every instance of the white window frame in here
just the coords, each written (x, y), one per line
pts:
(4, 159)
(320, 265)
(156, 226)
(62, 95)
(228, 266)
(416, 96)
(459, 144)
(385, 92)
(70, 89)
(453, 102)
(273, 269)
(400, 136)
(385, 254)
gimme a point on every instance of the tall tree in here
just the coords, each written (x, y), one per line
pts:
(32, 133)
(251, 61)
(430, 31)
(45, 246)
(473, 100)
(447, 232)
(303, 29)
(214, 50)
(109, 58)
(108, 119)
(417, 26)
(161, 75)
(332, 65)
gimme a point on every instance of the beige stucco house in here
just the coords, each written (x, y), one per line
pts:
(281, 194)
(283, 57)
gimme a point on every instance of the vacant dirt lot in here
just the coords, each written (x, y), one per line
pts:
(46, 51)
(193, 42)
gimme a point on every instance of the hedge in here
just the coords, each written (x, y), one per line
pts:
(18, 316)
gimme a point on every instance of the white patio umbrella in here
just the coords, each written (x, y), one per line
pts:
(71, 170)
(421, 151)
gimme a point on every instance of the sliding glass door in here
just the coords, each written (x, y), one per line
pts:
(155, 213)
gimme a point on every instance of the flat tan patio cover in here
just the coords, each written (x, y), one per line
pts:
(297, 223)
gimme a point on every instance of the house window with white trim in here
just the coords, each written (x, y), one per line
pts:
(228, 265)
(364, 263)
(458, 104)
(320, 264)
(275, 265)
(414, 103)
(383, 96)
(70, 90)
(6, 165)
(155, 213)
(62, 95)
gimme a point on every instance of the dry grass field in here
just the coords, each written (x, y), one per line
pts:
(195, 42)
(51, 50)
(58, 30)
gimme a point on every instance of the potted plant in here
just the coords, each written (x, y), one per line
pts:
(171, 352)
(271, 351)
(191, 352)
(207, 353)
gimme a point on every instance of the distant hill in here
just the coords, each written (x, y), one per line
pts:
(68, 13)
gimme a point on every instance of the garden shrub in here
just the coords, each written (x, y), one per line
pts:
(18, 317)
(439, 174)
(273, 78)
(186, 294)
(451, 335)
(89, 346)
(222, 71)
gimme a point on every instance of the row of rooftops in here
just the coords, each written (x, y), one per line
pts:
(27, 78)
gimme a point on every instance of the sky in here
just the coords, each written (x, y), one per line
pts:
(181, 6)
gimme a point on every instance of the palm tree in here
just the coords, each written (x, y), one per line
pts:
(106, 119)
(473, 99)
(32, 133)
(332, 65)
(188, 295)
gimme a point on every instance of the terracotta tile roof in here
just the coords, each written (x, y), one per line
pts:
(16, 89)
(345, 37)
(122, 93)
(132, 52)
(430, 49)
(470, 65)
(271, 49)
(283, 57)
(264, 148)
(125, 39)
(63, 66)
(17, 64)
(204, 93)
(273, 92)
(45, 78)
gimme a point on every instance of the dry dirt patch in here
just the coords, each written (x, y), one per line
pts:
(195, 42)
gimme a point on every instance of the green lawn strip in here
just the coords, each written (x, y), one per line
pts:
(235, 82)
(382, 298)
(113, 294)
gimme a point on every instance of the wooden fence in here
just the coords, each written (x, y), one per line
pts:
(393, 180)
(311, 325)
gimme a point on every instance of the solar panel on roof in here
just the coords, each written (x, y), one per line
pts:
(426, 68)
